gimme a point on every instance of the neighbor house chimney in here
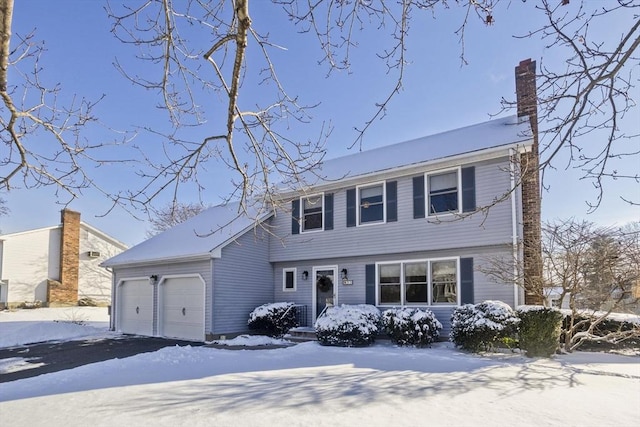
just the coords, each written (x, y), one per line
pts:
(66, 290)
(527, 99)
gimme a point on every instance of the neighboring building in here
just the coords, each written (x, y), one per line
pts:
(401, 225)
(56, 265)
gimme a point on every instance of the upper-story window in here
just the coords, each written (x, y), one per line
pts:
(312, 213)
(371, 203)
(444, 194)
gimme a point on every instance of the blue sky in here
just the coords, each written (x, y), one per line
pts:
(439, 94)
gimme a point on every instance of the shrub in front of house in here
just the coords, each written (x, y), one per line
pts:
(539, 330)
(348, 325)
(29, 305)
(483, 326)
(411, 326)
(616, 331)
(273, 319)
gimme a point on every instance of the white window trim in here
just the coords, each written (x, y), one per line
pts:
(427, 195)
(284, 279)
(429, 302)
(315, 230)
(384, 203)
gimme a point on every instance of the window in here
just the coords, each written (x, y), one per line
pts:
(444, 282)
(390, 286)
(371, 204)
(312, 213)
(443, 192)
(424, 282)
(415, 279)
(289, 279)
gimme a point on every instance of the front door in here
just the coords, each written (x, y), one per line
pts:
(325, 291)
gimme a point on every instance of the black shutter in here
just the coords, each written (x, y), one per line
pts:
(469, 189)
(466, 281)
(328, 211)
(370, 281)
(418, 196)
(295, 216)
(351, 207)
(392, 201)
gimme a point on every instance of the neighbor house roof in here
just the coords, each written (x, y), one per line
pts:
(500, 133)
(101, 234)
(201, 236)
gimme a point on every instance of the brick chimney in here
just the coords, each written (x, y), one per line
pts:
(527, 100)
(66, 290)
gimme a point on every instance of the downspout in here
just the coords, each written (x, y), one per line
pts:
(514, 225)
(112, 307)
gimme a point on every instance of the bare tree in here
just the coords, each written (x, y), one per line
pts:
(591, 271)
(197, 52)
(589, 93)
(171, 215)
(4, 209)
(40, 130)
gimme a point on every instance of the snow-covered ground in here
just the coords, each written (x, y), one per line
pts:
(311, 385)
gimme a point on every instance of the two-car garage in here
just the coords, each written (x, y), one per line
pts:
(170, 306)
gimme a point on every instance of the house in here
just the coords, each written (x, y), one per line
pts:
(400, 225)
(56, 265)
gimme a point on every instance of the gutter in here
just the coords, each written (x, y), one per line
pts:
(514, 225)
(441, 163)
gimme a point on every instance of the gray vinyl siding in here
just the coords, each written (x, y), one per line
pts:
(484, 288)
(197, 267)
(242, 281)
(406, 234)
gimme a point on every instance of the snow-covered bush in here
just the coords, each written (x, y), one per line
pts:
(273, 319)
(539, 330)
(482, 326)
(411, 326)
(348, 325)
(598, 330)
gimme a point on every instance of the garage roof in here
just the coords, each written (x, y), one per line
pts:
(199, 236)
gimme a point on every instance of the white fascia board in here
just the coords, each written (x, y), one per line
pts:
(441, 163)
(168, 260)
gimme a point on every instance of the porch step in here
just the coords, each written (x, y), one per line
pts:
(301, 334)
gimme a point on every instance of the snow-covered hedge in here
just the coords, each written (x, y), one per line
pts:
(348, 325)
(482, 326)
(273, 319)
(411, 326)
(539, 330)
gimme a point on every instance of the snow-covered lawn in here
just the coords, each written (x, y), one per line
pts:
(311, 385)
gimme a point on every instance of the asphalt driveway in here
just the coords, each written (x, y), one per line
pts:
(58, 356)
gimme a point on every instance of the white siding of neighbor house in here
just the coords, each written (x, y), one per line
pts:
(492, 179)
(203, 268)
(94, 281)
(484, 287)
(28, 260)
(242, 280)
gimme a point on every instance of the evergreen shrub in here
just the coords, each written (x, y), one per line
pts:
(482, 326)
(348, 325)
(273, 319)
(411, 326)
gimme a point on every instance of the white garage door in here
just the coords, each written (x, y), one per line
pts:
(182, 308)
(135, 308)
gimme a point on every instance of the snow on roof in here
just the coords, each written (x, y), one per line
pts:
(198, 236)
(505, 131)
(213, 228)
